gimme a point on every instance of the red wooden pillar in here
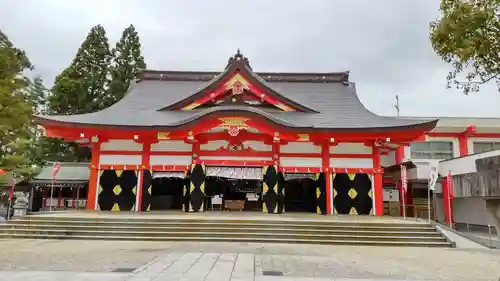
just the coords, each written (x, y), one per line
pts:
(276, 153)
(325, 159)
(399, 154)
(94, 174)
(463, 145)
(448, 214)
(145, 165)
(378, 190)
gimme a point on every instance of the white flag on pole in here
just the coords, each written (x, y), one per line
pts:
(433, 174)
(404, 178)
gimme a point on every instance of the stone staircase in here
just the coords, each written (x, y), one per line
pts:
(226, 230)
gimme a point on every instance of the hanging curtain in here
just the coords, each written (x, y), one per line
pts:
(168, 174)
(248, 173)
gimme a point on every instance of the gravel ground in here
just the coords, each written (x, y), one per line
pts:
(292, 260)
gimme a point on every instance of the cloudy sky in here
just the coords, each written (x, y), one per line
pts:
(384, 44)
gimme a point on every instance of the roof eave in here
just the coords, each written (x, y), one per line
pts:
(424, 126)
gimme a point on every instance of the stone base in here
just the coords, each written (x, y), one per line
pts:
(493, 207)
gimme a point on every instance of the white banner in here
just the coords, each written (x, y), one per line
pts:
(404, 178)
(433, 174)
(168, 174)
(248, 173)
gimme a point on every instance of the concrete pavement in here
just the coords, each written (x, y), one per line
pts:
(146, 261)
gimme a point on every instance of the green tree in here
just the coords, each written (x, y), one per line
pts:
(80, 88)
(83, 85)
(467, 36)
(37, 96)
(126, 65)
(15, 110)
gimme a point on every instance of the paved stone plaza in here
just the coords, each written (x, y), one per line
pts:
(142, 261)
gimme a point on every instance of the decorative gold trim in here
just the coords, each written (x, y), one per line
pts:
(283, 107)
(352, 193)
(237, 78)
(115, 208)
(117, 189)
(163, 135)
(191, 106)
(303, 137)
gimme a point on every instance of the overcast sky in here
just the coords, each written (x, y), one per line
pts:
(384, 44)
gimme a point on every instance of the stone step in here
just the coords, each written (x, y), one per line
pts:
(228, 235)
(238, 224)
(197, 228)
(280, 221)
(269, 239)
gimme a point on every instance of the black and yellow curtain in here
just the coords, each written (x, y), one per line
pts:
(352, 194)
(320, 183)
(147, 186)
(194, 189)
(117, 190)
(273, 195)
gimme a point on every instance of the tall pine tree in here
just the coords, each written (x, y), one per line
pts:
(127, 62)
(15, 110)
(82, 86)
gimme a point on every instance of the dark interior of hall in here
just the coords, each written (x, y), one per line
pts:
(300, 195)
(167, 193)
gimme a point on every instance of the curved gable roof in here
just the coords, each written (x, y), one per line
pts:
(329, 101)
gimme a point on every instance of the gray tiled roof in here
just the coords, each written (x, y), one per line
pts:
(337, 106)
(69, 172)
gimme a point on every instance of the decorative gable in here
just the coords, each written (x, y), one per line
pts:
(238, 85)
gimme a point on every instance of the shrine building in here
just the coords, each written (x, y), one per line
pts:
(238, 139)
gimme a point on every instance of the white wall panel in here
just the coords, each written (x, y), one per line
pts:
(120, 159)
(213, 145)
(121, 145)
(171, 146)
(170, 160)
(300, 162)
(351, 148)
(389, 159)
(351, 162)
(258, 145)
(300, 147)
(406, 153)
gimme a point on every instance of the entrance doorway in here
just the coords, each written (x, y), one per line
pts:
(300, 195)
(166, 192)
(234, 194)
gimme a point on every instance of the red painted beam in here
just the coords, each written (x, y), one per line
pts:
(254, 153)
(241, 163)
(486, 135)
(350, 155)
